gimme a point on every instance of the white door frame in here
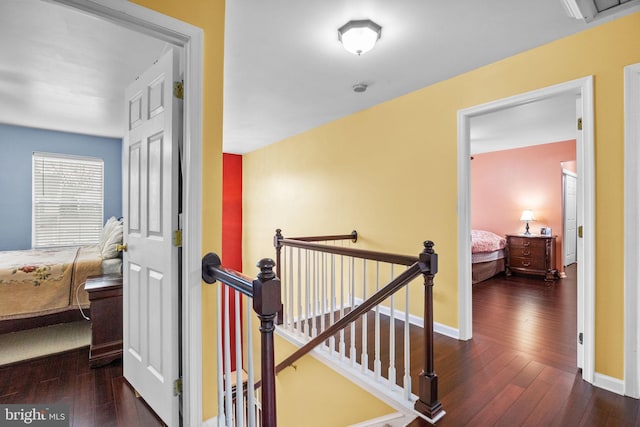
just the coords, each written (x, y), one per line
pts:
(586, 188)
(190, 38)
(565, 173)
(631, 230)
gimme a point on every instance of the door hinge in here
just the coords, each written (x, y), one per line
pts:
(580, 338)
(178, 90)
(177, 238)
(580, 231)
(177, 387)
(579, 123)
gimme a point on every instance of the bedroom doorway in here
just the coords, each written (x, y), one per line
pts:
(631, 230)
(585, 197)
(190, 39)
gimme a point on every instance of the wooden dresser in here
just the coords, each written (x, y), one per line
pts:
(105, 297)
(535, 255)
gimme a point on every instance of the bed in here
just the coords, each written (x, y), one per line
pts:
(487, 255)
(40, 283)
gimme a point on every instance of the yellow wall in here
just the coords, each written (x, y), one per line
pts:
(208, 15)
(311, 395)
(391, 172)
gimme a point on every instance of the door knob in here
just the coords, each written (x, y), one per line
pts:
(122, 248)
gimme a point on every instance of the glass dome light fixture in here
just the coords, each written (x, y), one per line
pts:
(359, 36)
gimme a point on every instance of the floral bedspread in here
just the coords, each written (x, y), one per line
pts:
(486, 241)
(41, 281)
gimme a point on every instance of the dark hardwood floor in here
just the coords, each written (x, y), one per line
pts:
(97, 397)
(520, 367)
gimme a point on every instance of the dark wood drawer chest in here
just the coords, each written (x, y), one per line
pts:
(535, 255)
(105, 297)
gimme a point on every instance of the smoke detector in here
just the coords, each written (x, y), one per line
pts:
(360, 87)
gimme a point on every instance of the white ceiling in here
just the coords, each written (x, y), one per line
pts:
(285, 71)
(541, 122)
(63, 70)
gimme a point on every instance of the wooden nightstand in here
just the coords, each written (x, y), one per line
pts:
(535, 255)
(105, 297)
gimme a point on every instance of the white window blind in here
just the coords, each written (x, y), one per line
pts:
(67, 200)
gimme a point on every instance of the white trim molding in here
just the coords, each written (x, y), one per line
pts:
(582, 87)
(416, 320)
(631, 230)
(608, 383)
(190, 38)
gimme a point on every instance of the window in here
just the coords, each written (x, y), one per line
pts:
(67, 200)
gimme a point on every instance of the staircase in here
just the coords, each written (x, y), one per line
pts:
(348, 307)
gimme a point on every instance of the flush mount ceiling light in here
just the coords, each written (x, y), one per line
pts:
(359, 37)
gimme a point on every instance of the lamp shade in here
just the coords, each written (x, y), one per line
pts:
(527, 215)
(359, 37)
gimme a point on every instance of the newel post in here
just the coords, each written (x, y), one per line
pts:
(428, 403)
(266, 304)
(277, 243)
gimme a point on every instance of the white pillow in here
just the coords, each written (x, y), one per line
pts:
(109, 251)
(107, 230)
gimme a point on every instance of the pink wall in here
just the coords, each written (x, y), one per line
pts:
(504, 183)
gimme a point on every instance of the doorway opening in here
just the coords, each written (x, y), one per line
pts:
(190, 39)
(631, 230)
(585, 168)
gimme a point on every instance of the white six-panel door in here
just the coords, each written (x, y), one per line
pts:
(150, 266)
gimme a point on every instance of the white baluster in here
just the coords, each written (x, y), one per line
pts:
(299, 313)
(392, 339)
(407, 347)
(377, 363)
(323, 295)
(238, 356)
(314, 296)
(342, 344)
(227, 360)
(364, 358)
(306, 325)
(251, 397)
(352, 291)
(290, 314)
(219, 356)
(332, 340)
(284, 283)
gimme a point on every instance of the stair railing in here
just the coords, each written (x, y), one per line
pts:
(321, 300)
(232, 386)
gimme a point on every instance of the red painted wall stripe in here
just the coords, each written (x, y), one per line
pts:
(232, 229)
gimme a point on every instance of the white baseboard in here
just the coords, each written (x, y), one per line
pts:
(418, 321)
(446, 330)
(211, 422)
(606, 382)
(397, 419)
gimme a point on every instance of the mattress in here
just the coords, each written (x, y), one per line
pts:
(487, 256)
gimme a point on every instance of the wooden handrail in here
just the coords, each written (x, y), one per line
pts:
(267, 302)
(213, 270)
(306, 243)
(426, 264)
(352, 252)
(353, 237)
